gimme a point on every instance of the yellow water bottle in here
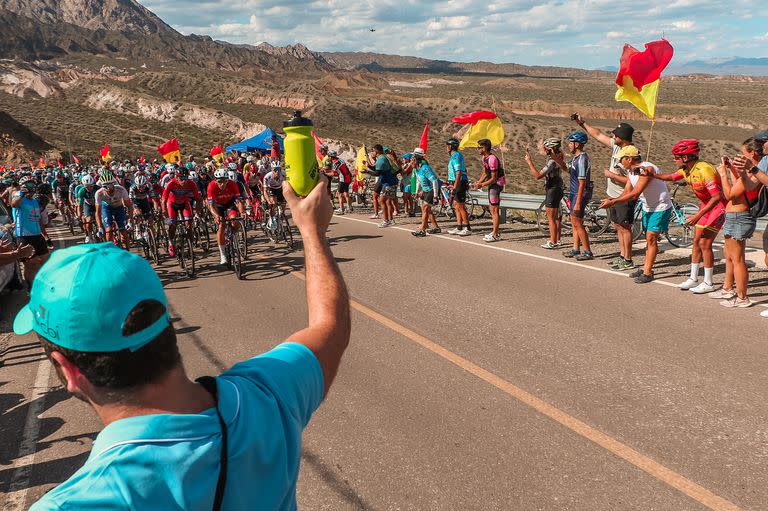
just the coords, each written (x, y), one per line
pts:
(301, 168)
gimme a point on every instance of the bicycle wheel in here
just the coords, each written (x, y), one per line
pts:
(637, 225)
(242, 241)
(202, 235)
(154, 251)
(474, 209)
(287, 233)
(542, 222)
(236, 259)
(680, 235)
(189, 248)
(595, 222)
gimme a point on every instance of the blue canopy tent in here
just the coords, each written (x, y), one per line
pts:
(261, 142)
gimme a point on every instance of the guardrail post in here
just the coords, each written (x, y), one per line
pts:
(503, 216)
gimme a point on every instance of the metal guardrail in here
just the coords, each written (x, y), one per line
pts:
(532, 203)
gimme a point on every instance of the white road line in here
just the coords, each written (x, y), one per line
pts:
(22, 465)
(522, 253)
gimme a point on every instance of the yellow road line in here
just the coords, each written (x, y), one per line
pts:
(644, 463)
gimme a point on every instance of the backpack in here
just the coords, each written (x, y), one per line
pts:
(760, 206)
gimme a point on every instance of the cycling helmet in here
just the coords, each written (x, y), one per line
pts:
(106, 177)
(232, 166)
(182, 174)
(249, 159)
(453, 143)
(170, 168)
(189, 165)
(220, 174)
(141, 181)
(323, 147)
(29, 185)
(232, 175)
(333, 154)
(578, 136)
(686, 148)
(551, 143)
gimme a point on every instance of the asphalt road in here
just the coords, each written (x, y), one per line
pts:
(478, 377)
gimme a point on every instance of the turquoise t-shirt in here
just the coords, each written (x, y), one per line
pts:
(171, 462)
(26, 218)
(456, 164)
(426, 176)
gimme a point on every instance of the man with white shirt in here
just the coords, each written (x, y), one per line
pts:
(656, 203)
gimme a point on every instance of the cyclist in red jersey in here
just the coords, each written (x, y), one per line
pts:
(223, 198)
(177, 198)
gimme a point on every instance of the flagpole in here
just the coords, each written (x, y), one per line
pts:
(503, 163)
(653, 123)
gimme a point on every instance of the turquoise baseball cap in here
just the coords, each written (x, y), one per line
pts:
(82, 296)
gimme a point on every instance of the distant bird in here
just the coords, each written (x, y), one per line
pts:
(373, 30)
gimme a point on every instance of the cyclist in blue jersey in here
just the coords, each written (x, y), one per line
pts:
(457, 176)
(27, 228)
(427, 191)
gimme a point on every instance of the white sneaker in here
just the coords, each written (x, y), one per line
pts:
(549, 245)
(223, 260)
(490, 238)
(737, 303)
(374, 217)
(88, 239)
(465, 232)
(338, 211)
(453, 231)
(764, 313)
(703, 288)
(722, 294)
(384, 224)
(688, 284)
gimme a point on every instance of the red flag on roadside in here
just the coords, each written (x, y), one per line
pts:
(425, 137)
(142, 160)
(318, 143)
(75, 159)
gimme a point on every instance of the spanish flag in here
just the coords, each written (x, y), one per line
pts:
(170, 151)
(217, 153)
(639, 75)
(484, 124)
(105, 154)
(318, 143)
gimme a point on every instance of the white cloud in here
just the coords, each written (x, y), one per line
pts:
(554, 32)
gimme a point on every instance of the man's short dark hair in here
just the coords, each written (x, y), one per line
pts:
(484, 142)
(120, 371)
(379, 148)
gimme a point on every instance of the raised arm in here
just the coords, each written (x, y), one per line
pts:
(327, 335)
(593, 132)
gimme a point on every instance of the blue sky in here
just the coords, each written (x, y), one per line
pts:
(573, 33)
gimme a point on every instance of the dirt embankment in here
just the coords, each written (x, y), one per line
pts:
(20, 144)
(124, 102)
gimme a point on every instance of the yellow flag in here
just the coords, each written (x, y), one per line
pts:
(644, 100)
(492, 129)
(361, 163)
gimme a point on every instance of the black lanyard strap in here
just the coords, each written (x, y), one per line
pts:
(209, 384)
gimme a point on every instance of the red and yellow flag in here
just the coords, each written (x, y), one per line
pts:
(217, 153)
(484, 124)
(105, 154)
(170, 151)
(639, 75)
(318, 143)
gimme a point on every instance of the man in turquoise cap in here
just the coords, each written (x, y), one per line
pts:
(231, 442)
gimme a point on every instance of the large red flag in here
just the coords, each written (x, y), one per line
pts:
(170, 151)
(105, 154)
(75, 158)
(425, 138)
(639, 75)
(318, 143)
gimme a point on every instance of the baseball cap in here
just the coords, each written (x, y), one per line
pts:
(82, 296)
(628, 151)
(762, 136)
(624, 131)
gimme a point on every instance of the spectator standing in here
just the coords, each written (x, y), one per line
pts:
(580, 192)
(230, 442)
(552, 173)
